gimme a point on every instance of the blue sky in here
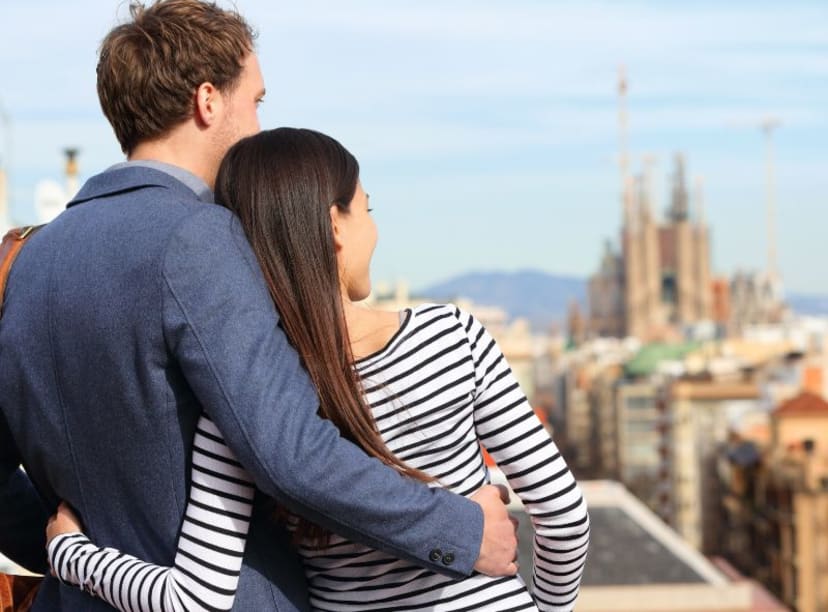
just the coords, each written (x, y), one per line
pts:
(487, 131)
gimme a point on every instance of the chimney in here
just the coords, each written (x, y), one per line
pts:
(72, 184)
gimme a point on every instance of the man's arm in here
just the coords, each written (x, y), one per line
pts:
(221, 325)
(22, 513)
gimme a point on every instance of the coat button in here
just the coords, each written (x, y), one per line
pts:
(448, 558)
(435, 555)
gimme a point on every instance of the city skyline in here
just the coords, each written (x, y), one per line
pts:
(488, 132)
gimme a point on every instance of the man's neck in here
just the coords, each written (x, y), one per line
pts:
(171, 152)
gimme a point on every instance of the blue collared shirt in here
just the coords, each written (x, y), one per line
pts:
(195, 183)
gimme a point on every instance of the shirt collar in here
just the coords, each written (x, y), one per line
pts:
(196, 184)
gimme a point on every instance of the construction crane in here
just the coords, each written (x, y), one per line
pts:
(768, 125)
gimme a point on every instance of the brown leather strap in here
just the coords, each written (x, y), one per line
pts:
(13, 241)
(26, 588)
(17, 593)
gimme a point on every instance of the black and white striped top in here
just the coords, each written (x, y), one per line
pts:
(439, 389)
(211, 544)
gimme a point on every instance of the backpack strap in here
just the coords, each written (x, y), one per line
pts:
(13, 241)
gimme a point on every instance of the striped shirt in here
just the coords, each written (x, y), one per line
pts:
(438, 390)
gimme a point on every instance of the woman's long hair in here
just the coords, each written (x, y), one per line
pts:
(281, 184)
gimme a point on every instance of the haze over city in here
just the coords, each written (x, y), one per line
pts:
(487, 132)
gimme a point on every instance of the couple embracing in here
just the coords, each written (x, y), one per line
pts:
(187, 377)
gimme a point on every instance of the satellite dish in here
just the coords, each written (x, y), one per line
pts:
(50, 200)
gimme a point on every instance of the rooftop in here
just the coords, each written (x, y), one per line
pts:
(804, 404)
(715, 390)
(636, 563)
(647, 359)
(614, 535)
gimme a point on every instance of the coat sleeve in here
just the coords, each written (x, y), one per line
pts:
(222, 328)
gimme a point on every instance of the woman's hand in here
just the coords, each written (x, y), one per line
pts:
(63, 521)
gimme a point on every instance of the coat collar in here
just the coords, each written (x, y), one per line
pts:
(129, 178)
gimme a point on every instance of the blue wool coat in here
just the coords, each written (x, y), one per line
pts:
(129, 314)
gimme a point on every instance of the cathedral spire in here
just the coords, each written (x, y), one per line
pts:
(679, 205)
(699, 201)
(648, 161)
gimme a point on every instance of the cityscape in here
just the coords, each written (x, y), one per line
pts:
(690, 398)
(692, 407)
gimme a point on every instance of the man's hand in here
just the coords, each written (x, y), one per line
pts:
(498, 550)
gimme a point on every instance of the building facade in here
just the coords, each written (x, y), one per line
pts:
(776, 505)
(700, 416)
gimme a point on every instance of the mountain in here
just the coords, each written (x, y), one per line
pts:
(544, 298)
(540, 297)
(808, 303)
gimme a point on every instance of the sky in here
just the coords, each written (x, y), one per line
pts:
(487, 131)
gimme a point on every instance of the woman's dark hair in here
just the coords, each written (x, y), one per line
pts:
(281, 184)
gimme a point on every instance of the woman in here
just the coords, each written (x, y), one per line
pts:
(420, 390)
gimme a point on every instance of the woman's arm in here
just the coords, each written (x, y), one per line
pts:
(520, 445)
(210, 546)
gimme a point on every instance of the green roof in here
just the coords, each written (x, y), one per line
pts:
(650, 355)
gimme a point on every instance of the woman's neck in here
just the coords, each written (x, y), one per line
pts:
(369, 330)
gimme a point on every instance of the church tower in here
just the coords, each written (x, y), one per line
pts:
(651, 273)
(686, 254)
(632, 254)
(642, 267)
(704, 296)
(683, 277)
(633, 258)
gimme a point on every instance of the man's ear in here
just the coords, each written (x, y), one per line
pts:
(208, 104)
(336, 227)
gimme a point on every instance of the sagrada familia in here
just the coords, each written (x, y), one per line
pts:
(659, 281)
(661, 276)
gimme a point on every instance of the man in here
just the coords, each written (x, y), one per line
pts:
(142, 305)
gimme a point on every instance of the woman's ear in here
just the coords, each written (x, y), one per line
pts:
(336, 227)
